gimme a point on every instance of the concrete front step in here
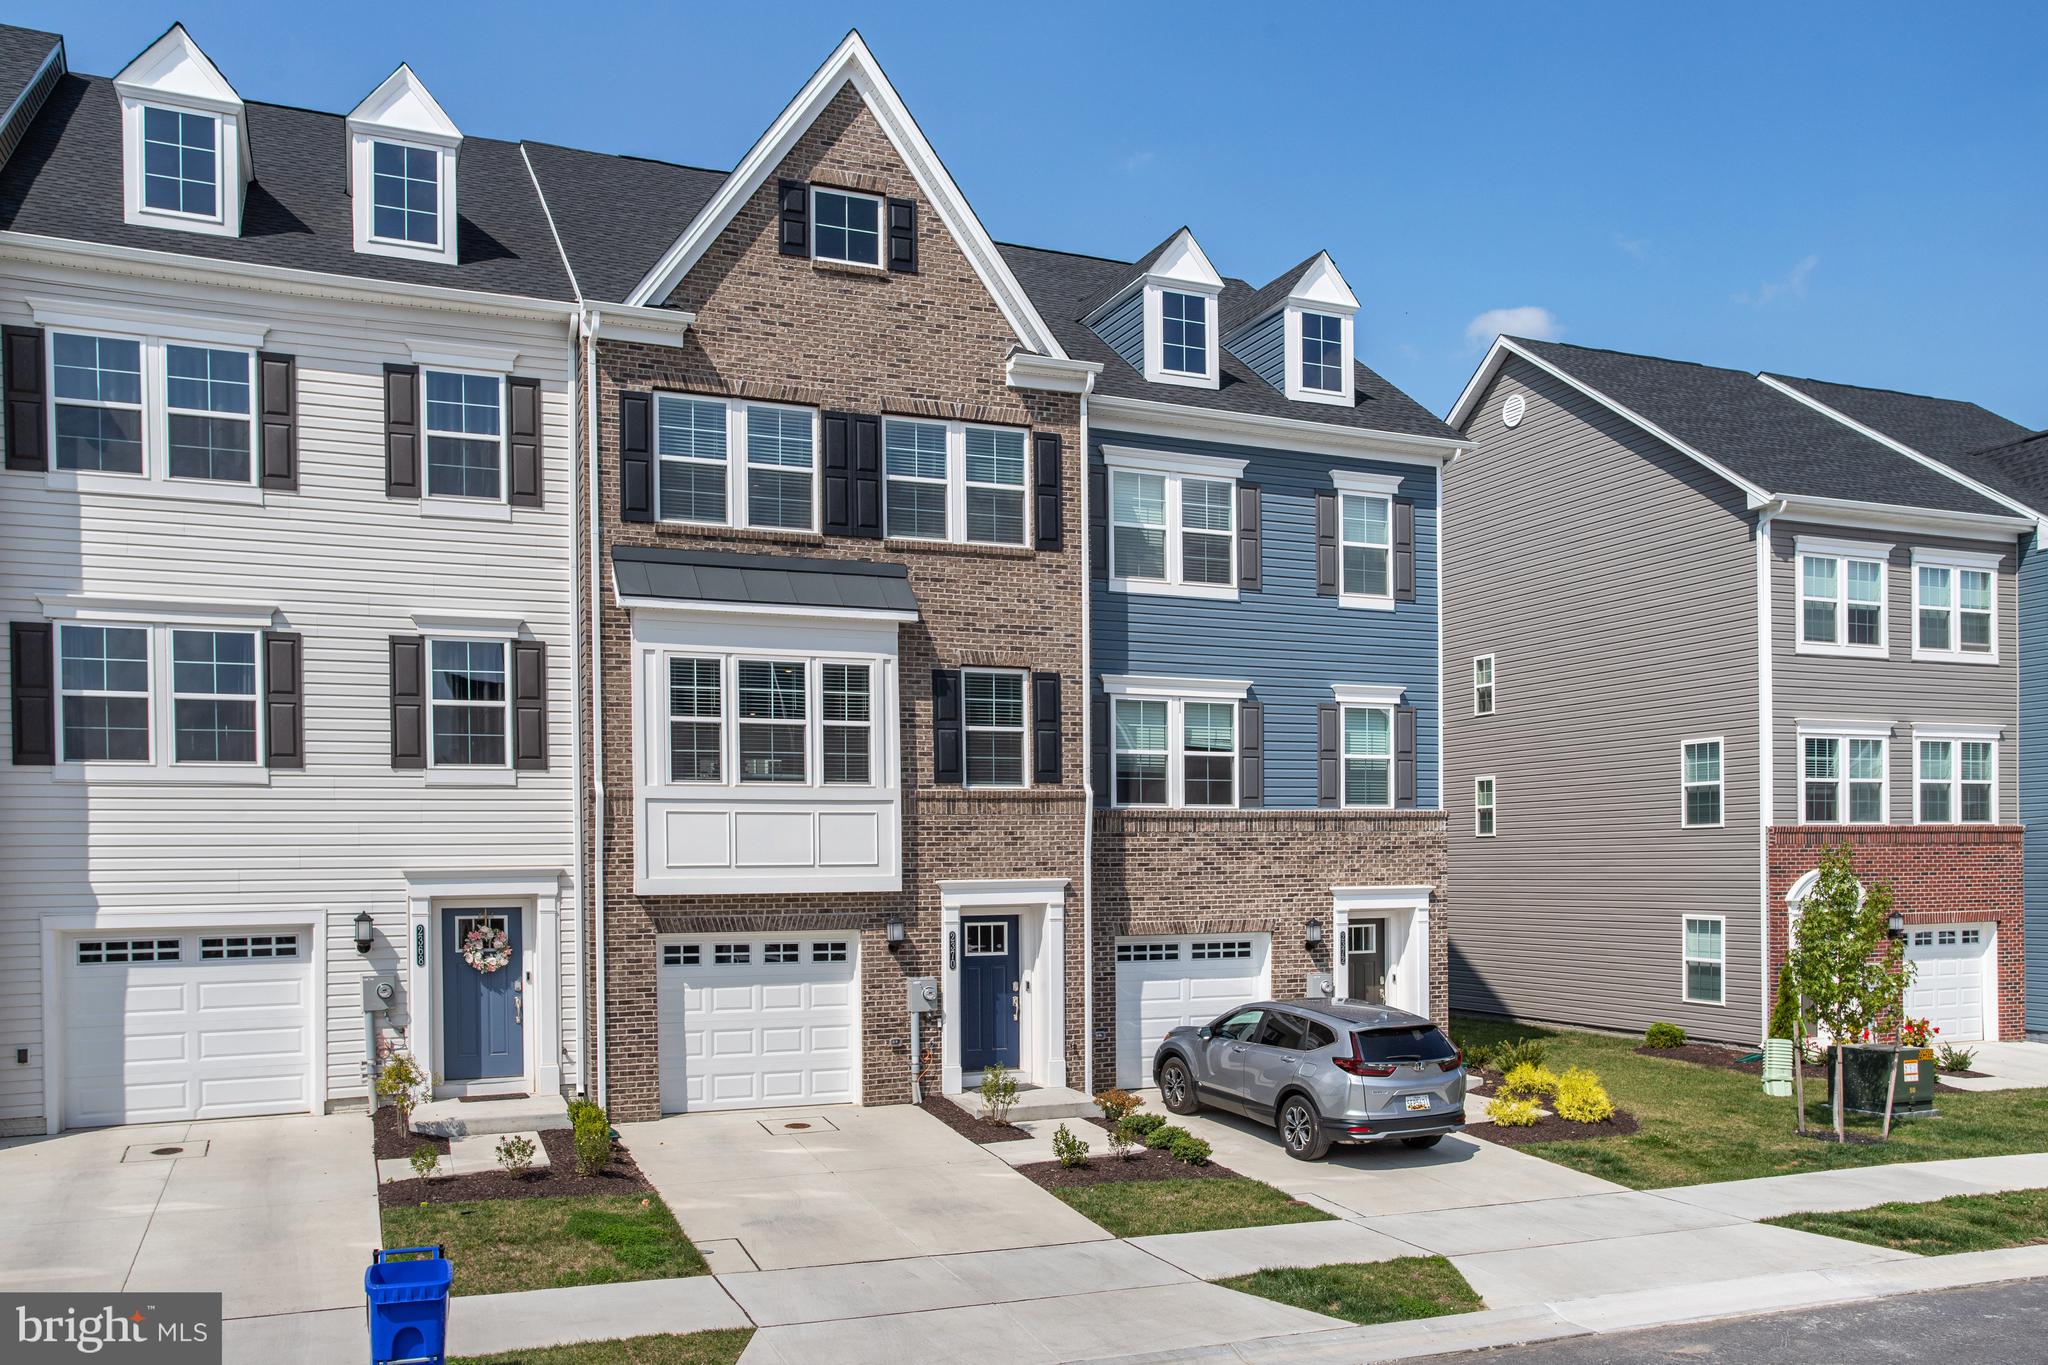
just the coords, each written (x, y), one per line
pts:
(459, 1119)
(1045, 1102)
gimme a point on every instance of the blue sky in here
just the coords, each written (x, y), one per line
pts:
(1853, 191)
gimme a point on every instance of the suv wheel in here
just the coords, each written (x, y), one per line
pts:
(1301, 1130)
(1177, 1087)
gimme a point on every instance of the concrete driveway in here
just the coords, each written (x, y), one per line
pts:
(756, 1191)
(277, 1214)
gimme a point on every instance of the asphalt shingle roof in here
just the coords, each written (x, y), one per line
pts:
(65, 181)
(22, 51)
(1065, 288)
(618, 214)
(1769, 438)
(761, 580)
(2018, 469)
(1933, 426)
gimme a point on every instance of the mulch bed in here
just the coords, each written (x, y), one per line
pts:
(1553, 1129)
(394, 1142)
(968, 1126)
(1728, 1059)
(555, 1181)
(1971, 1075)
(1103, 1168)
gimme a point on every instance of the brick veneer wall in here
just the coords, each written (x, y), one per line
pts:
(931, 344)
(1252, 871)
(1939, 874)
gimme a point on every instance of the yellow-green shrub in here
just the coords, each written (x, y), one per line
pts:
(1529, 1082)
(1507, 1112)
(1581, 1098)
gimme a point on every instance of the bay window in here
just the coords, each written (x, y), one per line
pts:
(789, 721)
(772, 720)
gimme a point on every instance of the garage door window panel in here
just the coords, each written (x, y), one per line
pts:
(119, 951)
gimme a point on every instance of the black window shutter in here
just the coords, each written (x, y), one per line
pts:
(795, 198)
(408, 701)
(530, 705)
(27, 417)
(35, 693)
(1045, 481)
(903, 236)
(867, 476)
(1098, 747)
(1248, 537)
(401, 431)
(522, 440)
(636, 457)
(1404, 757)
(284, 699)
(277, 409)
(1329, 757)
(838, 474)
(1404, 550)
(1326, 542)
(1251, 753)
(1045, 729)
(1098, 522)
(946, 744)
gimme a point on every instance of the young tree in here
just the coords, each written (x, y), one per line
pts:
(1844, 963)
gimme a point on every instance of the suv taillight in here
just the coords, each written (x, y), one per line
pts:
(1455, 1060)
(1356, 1064)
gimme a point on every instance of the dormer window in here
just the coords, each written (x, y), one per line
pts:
(1322, 352)
(180, 162)
(1183, 332)
(405, 194)
(1163, 321)
(184, 148)
(402, 154)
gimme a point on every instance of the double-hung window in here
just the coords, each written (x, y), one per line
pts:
(1700, 783)
(1366, 539)
(465, 435)
(698, 479)
(1184, 332)
(1705, 956)
(846, 227)
(1368, 755)
(97, 408)
(1482, 807)
(992, 712)
(405, 194)
(995, 485)
(104, 681)
(1842, 598)
(1174, 750)
(1842, 779)
(953, 481)
(115, 680)
(1173, 523)
(1957, 780)
(1955, 595)
(155, 408)
(780, 466)
(468, 701)
(207, 402)
(769, 721)
(848, 724)
(213, 696)
(915, 464)
(1482, 685)
(180, 162)
(1209, 753)
(696, 710)
(773, 720)
(1322, 352)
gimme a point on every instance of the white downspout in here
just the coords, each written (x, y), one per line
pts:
(1087, 772)
(1766, 757)
(576, 879)
(591, 322)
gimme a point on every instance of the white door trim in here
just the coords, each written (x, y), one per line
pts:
(536, 894)
(1406, 911)
(61, 927)
(1040, 907)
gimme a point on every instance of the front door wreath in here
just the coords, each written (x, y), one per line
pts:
(486, 947)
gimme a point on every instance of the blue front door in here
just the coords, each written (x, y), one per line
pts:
(989, 1002)
(481, 1012)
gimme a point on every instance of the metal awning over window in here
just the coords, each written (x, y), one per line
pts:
(773, 584)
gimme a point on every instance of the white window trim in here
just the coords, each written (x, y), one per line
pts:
(1955, 560)
(1160, 685)
(504, 707)
(1959, 735)
(1155, 332)
(1368, 694)
(1842, 733)
(162, 765)
(1173, 467)
(1490, 806)
(1842, 551)
(1491, 685)
(1345, 395)
(445, 501)
(1686, 959)
(736, 505)
(881, 261)
(1023, 731)
(1360, 698)
(728, 658)
(1720, 784)
(957, 484)
(1362, 483)
(228, 167)
(181, 217)
(1176, 745)
(369, 185)
(363, 160)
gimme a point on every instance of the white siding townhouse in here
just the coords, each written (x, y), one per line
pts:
(286, 548)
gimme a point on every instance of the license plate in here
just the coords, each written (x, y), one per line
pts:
(1418, 1101)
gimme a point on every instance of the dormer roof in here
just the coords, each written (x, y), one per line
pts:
(403, 106)
(175, 70)
(1177, 261)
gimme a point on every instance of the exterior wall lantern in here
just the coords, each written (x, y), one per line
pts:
(895, 932)
(366, 931)
(1313, 934)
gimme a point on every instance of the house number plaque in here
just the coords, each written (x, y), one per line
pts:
(953, 950)
(419, 945)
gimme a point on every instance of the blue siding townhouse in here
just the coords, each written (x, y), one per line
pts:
(1264, 683)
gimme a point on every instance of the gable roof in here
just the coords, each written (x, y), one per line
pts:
(852, 63)
(22, 53)
(1067, 287)
(1764, 440)
(2016, 469)
(1938, 427)
(616, 215)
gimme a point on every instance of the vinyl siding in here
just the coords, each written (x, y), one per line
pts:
(1896, 688)
(1263, 349)
(345, 566)
(2033, 776)
(1614, 582)
(1124, 329)
(1289, 642)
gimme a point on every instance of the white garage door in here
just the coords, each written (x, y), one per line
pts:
(1162, 983)
(187, 1024)
(1951, 981)
(750, 1021)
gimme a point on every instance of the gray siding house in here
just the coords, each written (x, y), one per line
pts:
(1697, 628)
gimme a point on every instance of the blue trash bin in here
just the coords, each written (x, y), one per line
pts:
(408, 1306)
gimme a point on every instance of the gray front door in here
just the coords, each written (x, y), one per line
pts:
(1365, 962)
(482, 1013)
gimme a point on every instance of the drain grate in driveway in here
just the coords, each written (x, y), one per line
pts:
(791, 1127)
(175, 1151)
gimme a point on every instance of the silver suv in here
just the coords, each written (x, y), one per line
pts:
(1319, 1072)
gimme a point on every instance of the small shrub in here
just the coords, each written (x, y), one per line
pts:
(593, 1133)
(1478, 1056)
(1529, 1082)
(402, 1085)
(1512, 1113)
(515, 1153)
(1948, 1057)
(1581, 1098)
(1189, 1150)
(425, 1160)
(1143, 1126)
(1519, 1052)
(1661, 1034)
(1165, 1136)
(578, 1107)
(1785, 1004)
(1117, 1105)
(1070, 1150)
(998, 1093)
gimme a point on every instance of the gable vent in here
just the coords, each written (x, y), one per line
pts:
(1512, 410)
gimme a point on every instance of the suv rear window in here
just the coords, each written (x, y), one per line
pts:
(1426, 1044)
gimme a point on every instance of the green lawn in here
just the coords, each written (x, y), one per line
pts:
(1964, 1222)
(695, 1348)
(1146, 1208)
(1378, 1291)
(502, 1245)
(1703, 1124)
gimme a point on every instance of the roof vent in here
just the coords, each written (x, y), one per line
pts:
(1512, 410)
